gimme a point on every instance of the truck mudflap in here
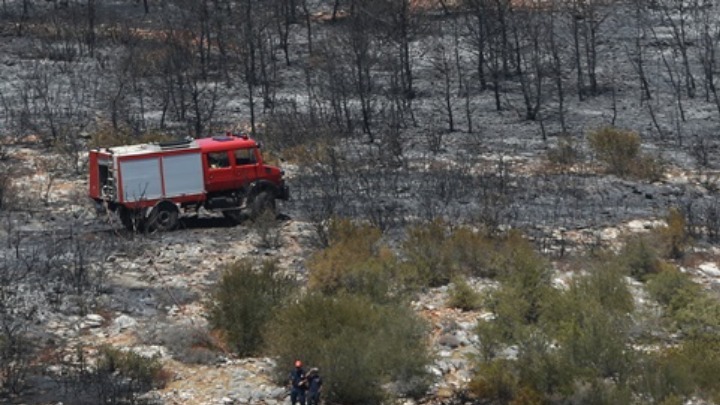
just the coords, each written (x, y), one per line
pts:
(100, 207)
(283, 192)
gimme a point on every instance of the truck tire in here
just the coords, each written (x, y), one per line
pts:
(263, 201)
(163, 218)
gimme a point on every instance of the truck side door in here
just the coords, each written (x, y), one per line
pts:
(245, 167)
(220, 175)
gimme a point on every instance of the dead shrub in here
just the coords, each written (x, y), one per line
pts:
(268, 229)
(106, 136)
(189, 344)
(565, 153)
(674, 236)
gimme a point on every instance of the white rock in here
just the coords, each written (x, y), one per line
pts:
(123, 322)
(93, 321)
(710, 268)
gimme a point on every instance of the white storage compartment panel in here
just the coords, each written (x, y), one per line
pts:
(141, 179)
(183, 174)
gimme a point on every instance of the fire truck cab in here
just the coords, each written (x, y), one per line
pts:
(150, 185)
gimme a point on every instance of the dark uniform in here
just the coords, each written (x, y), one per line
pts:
(298, 384)
(314, 387)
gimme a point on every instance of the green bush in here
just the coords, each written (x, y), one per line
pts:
(665, 377)
(524, 293)
(359, 345)
(540, 367)
(355, 263)
(673, 289)
(495, 381)
(527, 275)
(620, 151)
(687, 370)
(590, 322)
(593, 341)
(616, 148)
(700, 319)
(245, 299)
(424, 251)
(144, 372)
(567, 341)
(435, 253)
(463, 296)
(639, 257)
(674, 236)
(471, 253)
(605, 284)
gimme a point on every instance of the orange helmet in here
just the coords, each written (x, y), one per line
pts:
(298, 363)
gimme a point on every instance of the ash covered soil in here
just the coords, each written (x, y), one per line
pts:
(93, 283)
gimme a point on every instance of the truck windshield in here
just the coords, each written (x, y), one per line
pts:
(245, 157)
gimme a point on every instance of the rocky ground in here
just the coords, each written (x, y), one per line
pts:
(150, 299)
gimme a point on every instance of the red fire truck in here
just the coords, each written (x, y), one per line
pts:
(150, 185)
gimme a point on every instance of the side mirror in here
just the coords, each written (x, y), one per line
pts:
(259, 145)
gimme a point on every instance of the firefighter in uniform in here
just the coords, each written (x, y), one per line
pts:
(298, 384)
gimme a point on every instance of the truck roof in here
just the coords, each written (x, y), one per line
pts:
(225, 142)
(210, 144)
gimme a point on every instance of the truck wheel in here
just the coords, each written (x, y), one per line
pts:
(263, 201)
(163, 218)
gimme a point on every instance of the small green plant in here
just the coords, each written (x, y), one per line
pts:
(244, 301)
(363, 345)
(463, 296)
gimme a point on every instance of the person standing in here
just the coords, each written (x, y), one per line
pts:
(314, 386)
(298, 384)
